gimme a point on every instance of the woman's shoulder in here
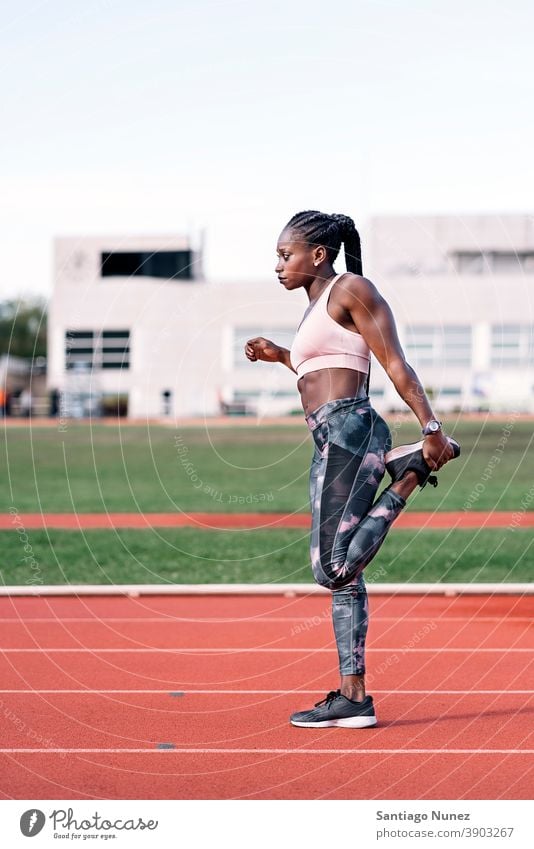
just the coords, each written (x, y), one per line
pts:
(356, 287)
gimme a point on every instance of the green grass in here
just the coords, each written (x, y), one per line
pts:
(232, 469)
(189, 556)
(240, 469)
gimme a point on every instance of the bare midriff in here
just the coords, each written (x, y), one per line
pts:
(328, 384)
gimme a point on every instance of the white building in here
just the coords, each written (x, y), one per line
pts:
(461, 289)
(138, 312)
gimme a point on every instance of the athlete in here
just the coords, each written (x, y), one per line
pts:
(346, 319)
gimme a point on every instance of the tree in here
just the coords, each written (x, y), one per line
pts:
(23, 327)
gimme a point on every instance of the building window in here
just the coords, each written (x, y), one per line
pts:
(450, 390)
(115, 349)
(437, 345)
(94, 349)
(512, 345)
(493, 262)
(282, 336)
(79, 348)
(166, 265)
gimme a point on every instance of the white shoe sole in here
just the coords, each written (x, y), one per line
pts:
(403, 450)
(347, 722)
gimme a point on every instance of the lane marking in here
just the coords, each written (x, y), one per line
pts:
(205, 751)
(270, 692)
(393, 649)
(289, 590)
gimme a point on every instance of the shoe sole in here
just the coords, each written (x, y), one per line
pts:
(347, 722)
(404, 450)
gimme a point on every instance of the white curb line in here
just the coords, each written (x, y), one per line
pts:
(263, 589)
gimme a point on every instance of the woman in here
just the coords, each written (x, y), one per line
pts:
(346, 319)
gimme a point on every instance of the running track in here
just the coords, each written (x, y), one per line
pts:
(188, 697)
(74, 521)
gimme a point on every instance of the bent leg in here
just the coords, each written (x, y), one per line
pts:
(348, 526)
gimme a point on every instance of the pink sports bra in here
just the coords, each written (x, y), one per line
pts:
(320, 342)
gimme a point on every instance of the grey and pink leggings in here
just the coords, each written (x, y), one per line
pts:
(348, 526)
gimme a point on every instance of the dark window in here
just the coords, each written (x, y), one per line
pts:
(79, 334)
(79, 348)
(97, 350)
(116, 334)
(493, 262)
(167, 265)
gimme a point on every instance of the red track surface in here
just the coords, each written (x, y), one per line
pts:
(93, 687)
(74, 521)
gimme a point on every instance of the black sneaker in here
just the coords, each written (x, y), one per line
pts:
(405, 457)
(337, 710)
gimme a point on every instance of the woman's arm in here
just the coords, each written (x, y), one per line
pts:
(260, 348)
(374, 319)
(285, 359)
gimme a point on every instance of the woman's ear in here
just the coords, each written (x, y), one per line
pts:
(319, 255)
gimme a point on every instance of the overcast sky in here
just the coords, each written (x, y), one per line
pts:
(123, 116)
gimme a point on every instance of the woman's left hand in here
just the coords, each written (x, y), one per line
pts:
(437, 450)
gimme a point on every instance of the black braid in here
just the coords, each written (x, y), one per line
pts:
(319, 228)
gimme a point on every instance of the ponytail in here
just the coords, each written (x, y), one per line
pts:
(351, 243)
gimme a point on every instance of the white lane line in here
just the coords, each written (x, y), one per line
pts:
(287, 590)
(167, 691)
(254, 620)
(398, 649)
(205, 751)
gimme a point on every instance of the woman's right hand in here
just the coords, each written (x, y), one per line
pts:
(260, 348)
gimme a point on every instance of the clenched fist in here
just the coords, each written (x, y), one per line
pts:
(260, 348)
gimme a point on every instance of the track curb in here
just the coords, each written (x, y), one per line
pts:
(134, 590)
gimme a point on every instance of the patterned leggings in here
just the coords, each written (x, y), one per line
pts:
(347, 530)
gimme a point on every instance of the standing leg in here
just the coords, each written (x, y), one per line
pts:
(350, 616)
(350, 527)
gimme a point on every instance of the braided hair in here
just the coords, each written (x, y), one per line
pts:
(319, 228)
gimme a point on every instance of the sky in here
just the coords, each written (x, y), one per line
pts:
(228, 116)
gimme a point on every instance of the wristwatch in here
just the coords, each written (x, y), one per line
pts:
(431, 427)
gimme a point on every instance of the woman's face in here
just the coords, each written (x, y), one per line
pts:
(295, 266)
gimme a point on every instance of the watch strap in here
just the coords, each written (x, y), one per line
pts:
(426, 430)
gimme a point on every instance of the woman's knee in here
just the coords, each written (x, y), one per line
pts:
(323, 579)
(339, 582)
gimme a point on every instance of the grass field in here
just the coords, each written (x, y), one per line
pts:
(241, 469)
(232, 469)
(188, 556)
